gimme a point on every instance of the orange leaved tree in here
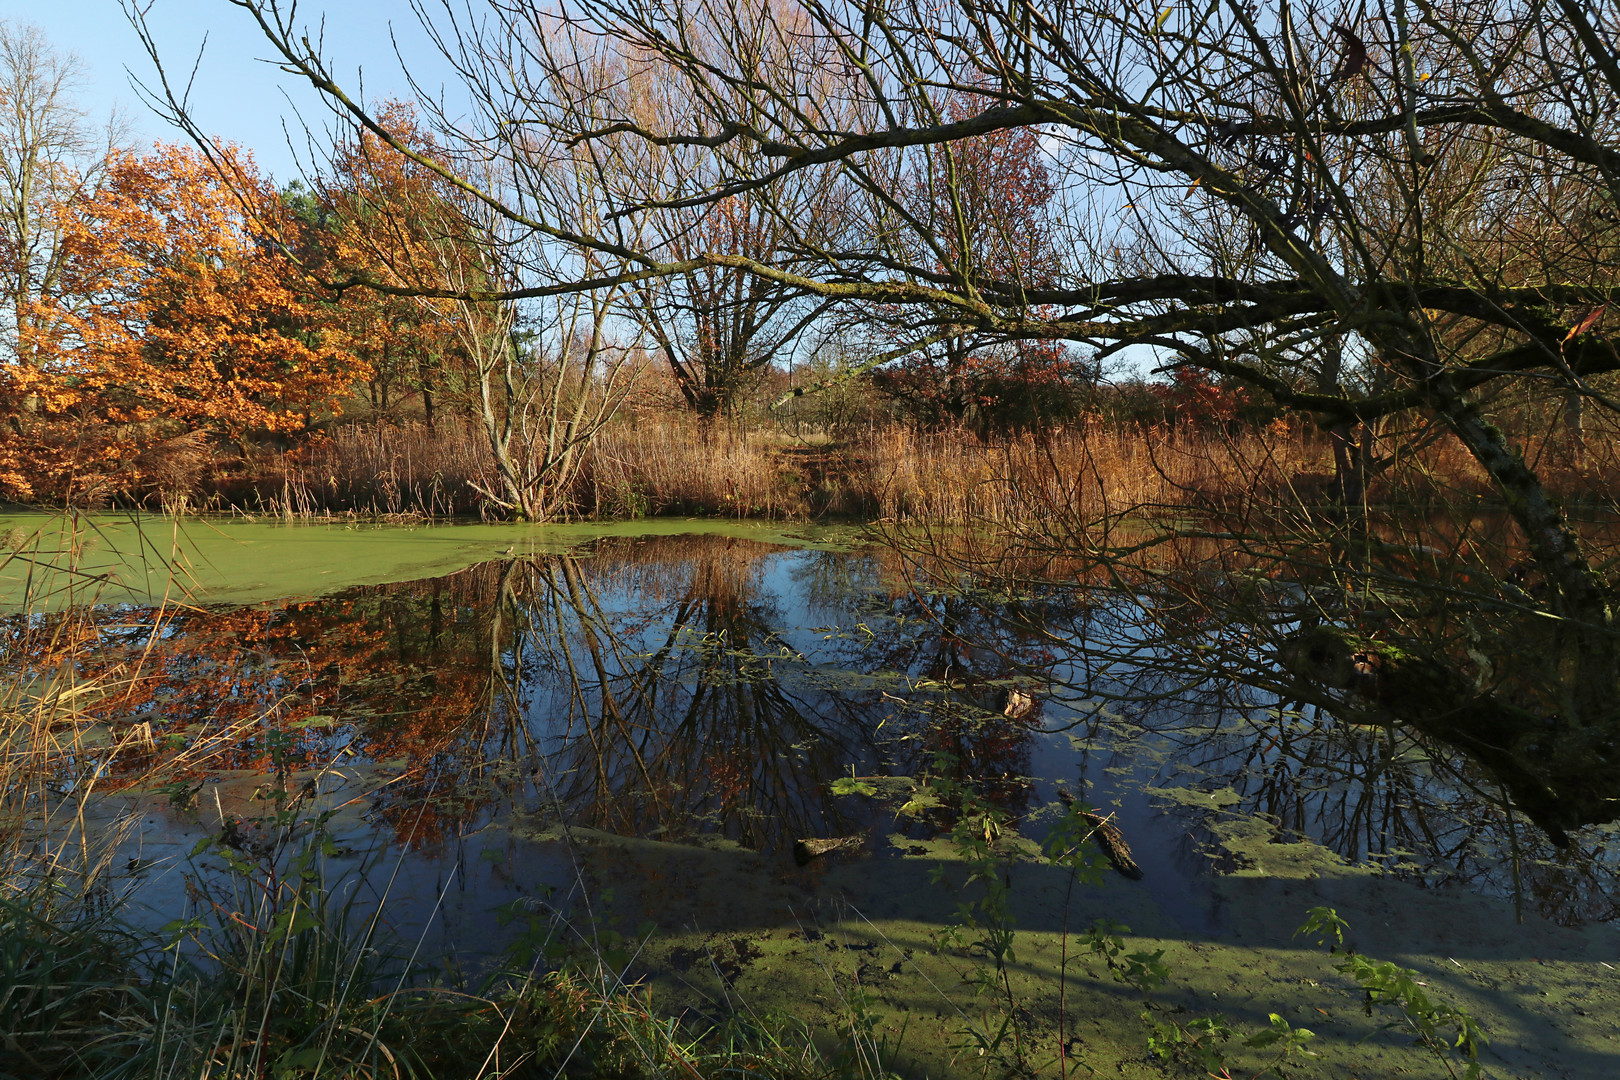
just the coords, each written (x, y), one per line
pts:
(191, 323)
(388, 221)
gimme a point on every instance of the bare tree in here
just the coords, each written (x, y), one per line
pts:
(548, 374)
(719, 326)
(51, 153)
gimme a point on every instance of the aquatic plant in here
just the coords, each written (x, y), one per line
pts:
(983, 838)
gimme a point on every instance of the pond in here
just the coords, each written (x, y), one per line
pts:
(641, 729)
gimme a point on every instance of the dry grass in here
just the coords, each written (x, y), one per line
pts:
(375, 469)
(1093, 471)
(1590, 470)
(662, 461)
(1089, 468)
(63, 729)
(672, 465)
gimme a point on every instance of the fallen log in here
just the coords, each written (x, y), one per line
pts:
(815, 847)
(1108, 838)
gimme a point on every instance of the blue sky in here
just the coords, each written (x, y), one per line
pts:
(235, 96)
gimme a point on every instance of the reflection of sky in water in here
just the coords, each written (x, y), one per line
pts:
(691, 687)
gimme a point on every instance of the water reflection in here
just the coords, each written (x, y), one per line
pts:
(668, 692)
(1391, 757)
(675, 686)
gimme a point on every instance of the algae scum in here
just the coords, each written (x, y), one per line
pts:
(626, 737)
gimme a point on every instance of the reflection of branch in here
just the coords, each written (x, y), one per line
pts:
(704, 695)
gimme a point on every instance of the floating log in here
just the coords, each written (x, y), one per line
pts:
(815, 847)
(1112, 842)
(1108, 838)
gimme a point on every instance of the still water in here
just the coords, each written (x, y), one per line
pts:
(643, 728)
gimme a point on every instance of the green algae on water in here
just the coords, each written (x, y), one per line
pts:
(53, 561)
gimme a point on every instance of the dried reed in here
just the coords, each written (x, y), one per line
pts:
(375, 469)
(1111, 471)
(664, 462)
(953, 476)
(672, 465)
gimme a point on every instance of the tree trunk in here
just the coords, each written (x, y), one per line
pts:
(1560, 780)
(424, 372)
(1585, 647)
(1575, 428)
(498, 430)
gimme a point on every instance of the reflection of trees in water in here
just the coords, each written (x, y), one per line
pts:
(1425, 683)
(1201, 661)
(399, 670)
(836, 587)
(1382, 795)
(960, 656)
(666, 698)
(658, 684)
(653, 680)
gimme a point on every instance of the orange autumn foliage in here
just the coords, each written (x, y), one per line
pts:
(393, 219)
(191, 322)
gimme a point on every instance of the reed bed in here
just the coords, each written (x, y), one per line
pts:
(664, 462)
(373, 469)
(954, 477)
(671, 465)
(1097, 471)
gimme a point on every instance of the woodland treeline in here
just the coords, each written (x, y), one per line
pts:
(166, 306)
(171, 309)
(180, 327)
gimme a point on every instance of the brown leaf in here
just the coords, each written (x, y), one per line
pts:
(1586, 322)
(1354, 61)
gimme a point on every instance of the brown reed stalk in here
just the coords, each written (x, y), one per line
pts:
(663, 462)
(376, 469)
(675, 465)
